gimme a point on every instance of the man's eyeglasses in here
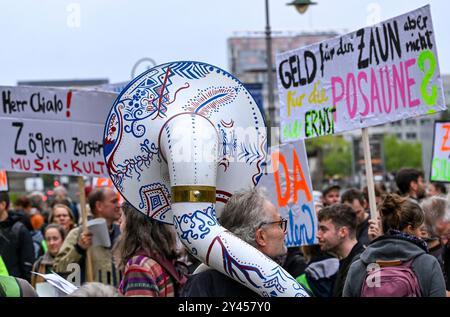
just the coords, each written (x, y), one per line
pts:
(282, 223)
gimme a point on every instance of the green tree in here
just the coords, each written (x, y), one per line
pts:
(400, 154)
(336, 153)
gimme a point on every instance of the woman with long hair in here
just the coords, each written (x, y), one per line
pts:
(397, 263)
(146, 253)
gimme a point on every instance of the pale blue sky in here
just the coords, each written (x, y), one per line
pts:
(42, 40)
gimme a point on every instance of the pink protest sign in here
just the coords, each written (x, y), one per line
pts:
(382, 73)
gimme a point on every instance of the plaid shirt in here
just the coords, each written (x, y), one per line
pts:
(143, 276)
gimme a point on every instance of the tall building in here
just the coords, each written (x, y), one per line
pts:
(247, 57)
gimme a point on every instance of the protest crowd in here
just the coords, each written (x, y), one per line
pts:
(205, 196)
(408, 245)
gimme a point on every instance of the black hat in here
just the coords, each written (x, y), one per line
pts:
(330, 188)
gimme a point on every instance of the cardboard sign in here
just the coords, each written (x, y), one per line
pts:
(375, 75)
(3, 181)
(440, 162)
(290, 190)
(53, 131)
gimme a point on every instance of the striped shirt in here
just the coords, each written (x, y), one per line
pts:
(143, 276)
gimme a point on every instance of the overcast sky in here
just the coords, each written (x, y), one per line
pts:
(88, 39)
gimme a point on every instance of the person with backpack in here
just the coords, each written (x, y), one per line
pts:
(16, 245)
(397, 263)
(146, 254)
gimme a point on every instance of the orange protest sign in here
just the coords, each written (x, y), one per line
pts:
(3, 181)
(299, 181)
(289, 188)
(106, 182)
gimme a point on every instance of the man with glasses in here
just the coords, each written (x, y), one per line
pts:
(254, 219)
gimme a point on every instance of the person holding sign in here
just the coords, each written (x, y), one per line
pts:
(103, 203)
(397, 264)
(255, 220)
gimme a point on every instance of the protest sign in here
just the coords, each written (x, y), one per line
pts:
(3, 181)
(53, 130)
(98, 182)
(440, 162)
(289, 188)
(378, 74)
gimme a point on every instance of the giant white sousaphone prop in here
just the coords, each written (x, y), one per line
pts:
(179, 141)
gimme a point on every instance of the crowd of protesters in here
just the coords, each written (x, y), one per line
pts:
(404, 252)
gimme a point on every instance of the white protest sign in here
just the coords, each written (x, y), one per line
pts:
(3, 181)
(440, 162)
(53, 131)
(290, 190)
(375, 75)
(117, 87)
(72, 105)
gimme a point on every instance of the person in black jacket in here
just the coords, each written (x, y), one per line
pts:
(16, 245)
(355, 199)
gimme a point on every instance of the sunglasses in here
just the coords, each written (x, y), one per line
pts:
(282, 223)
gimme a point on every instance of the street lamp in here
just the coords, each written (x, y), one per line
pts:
(301, 6)
(146, 61)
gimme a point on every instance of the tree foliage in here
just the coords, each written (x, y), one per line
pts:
(336, 154)
(400, 154)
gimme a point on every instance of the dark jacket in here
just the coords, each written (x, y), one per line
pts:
(398, 247)
(439, 252)
(295, 263)
(212, 283)
(344, 266)
(362, 233)
(16, 247)
(320, 276)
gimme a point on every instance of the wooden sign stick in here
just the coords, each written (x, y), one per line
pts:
(369, 174)
(89, 269)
